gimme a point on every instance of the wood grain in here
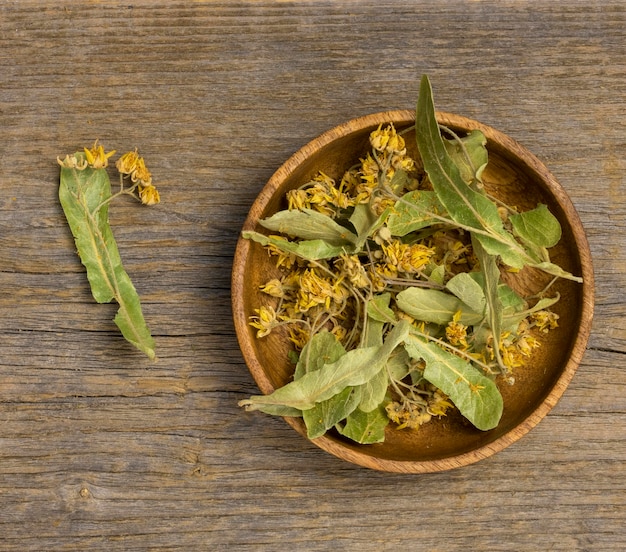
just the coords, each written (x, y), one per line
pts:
(101, 449)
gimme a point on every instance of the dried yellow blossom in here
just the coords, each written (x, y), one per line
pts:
(438, 404)
(264, 321)
(299, 336)
(407, 414)
(274, 288)
(128, 162)
(387, 140)
(456, 333)
(402, 257)
(545, 320)
(72, 162)
(316, 290)
(96, 157)
(286, 260)
(149, 195)
(351, 267)
(140, 173)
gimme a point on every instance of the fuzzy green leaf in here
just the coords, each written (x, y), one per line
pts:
(475, 395)
(537, 227)
(378, 308)
(465, 206)
(467, 290)
(373, 391)
(322, 348)
(82, 194)
(413, 212)
(366, 222)
(365, 427)
(469, 154)
(311, 250)
(309, 225)
(491, 280)
(431, 305)
(327, 414)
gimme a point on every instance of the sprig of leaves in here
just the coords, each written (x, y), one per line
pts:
(85, 194)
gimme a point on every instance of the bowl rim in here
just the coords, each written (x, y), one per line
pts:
(501, 142)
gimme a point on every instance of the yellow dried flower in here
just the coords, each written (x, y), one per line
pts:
(402, 257)
(72, 162)
(128, 162)
(140, 173)
(265, 320)
(545, 320)
(387, 140)
(456, 333)
(351, 267)
(96, 157)
(299, 336)
(274, 288)
(149, 195)
(284, 259)
(407, 414)
(438, 404)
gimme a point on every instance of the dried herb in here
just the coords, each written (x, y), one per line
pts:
(392, 288)
(85, 194)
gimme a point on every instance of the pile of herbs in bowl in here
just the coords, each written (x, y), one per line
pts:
(394, 284)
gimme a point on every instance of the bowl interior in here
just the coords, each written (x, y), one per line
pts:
(513, 175)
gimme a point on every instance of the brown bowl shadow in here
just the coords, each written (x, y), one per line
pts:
(514, 175)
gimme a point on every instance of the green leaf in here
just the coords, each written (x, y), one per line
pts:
(468, 290)
(378, 308)
(366, 222)
(365, 427)
(475, 395)
(373, 391)
(465, 206)
(469, 154)
(398, 365)
(437, 274)
(432, 305)
(538, 227)
(352, 369)
(83, 195)
(322, 348)
(280, 410)
(413, 212)
(309, 225)
(311, 250)
(327, 414)
(556, 270)
(491, 279)
(512, 320)
(399, 181)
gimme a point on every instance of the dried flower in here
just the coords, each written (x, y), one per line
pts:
(127, 163)
(149, 195)
(96, 157)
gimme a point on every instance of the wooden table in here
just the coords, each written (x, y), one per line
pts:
(101, 449)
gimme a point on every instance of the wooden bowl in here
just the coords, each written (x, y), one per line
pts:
(515, 176)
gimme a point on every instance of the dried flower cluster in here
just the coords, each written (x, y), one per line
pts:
(130, 165)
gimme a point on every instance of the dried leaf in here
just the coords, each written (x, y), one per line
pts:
(309, 225)
(475, 395)
(365, 427)
(83, 195)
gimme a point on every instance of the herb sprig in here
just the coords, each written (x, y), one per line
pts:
(85, 195)
(392, 289)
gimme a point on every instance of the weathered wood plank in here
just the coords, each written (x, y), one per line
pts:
(101, 449)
